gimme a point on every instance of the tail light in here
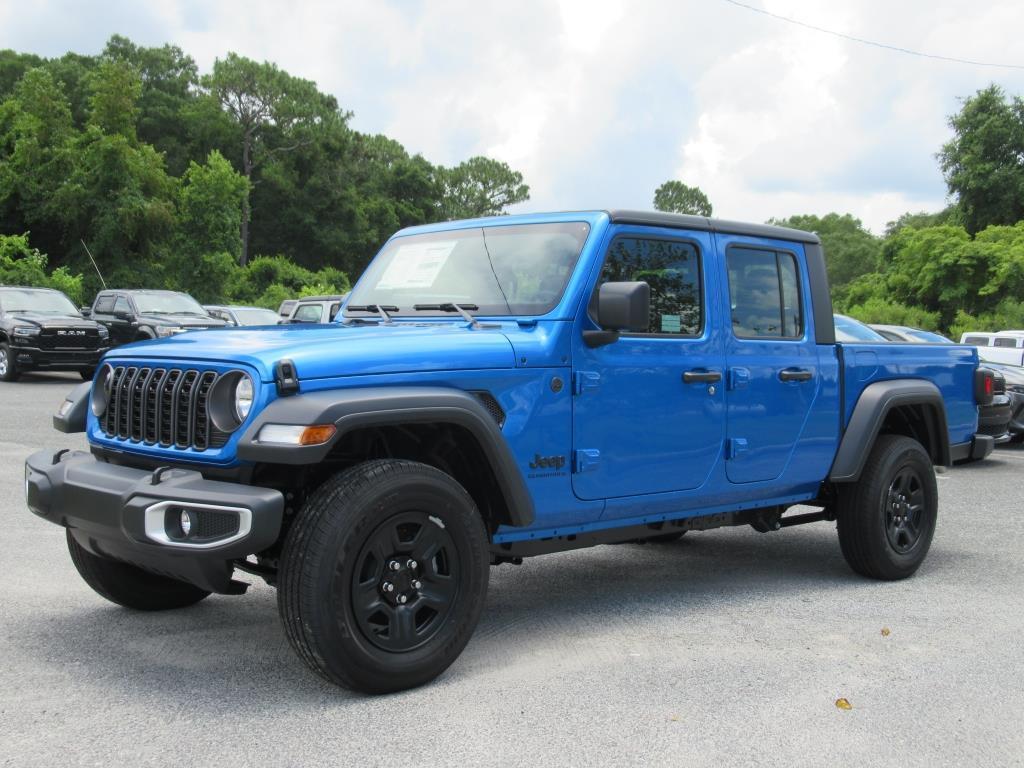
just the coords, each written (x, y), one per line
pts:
(984, 386)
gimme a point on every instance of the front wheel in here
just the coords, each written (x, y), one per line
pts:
(8, 369)
(130, 586)
(383, 576)
(886, 519)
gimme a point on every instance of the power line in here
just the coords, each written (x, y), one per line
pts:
(871, 42)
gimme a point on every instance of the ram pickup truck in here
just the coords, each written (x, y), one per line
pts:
(496, 389)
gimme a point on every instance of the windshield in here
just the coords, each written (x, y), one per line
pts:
(934, 338)
(848, 329)
(167, 304)
(498, 270)
(256, 316)
(44, 302)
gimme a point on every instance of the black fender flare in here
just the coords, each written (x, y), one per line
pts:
(350, 409)
(874, 404)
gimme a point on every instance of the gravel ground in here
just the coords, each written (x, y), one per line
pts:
(729, 647)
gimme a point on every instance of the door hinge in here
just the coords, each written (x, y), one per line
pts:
(585, 460)
(738, 378)
(584, 380)
(735, 447)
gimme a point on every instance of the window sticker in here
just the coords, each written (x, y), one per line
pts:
(670, 324)
(416, 265)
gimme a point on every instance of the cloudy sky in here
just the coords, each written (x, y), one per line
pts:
(597, 102)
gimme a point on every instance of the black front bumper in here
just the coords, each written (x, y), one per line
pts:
(133, 515)
(32, 358)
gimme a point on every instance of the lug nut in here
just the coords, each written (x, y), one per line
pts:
(403, 599)
(394, 565)
(387, 586)
(411, 565)
(417, 584)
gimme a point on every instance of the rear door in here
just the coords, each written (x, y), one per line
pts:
(771, 358)
(648, 411)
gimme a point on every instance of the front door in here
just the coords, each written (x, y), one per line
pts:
(648, 409)
(772, 376)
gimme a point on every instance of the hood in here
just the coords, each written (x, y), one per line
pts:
(184, 321)
(43, 320)
(325, 351)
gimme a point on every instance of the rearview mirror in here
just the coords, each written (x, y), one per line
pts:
(620, 307)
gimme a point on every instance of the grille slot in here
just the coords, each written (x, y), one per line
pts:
(489, 402)
(162, 406)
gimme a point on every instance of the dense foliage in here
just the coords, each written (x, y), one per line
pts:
(173, 178)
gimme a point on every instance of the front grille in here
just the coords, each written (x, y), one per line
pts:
(69, 338)
(162, 406)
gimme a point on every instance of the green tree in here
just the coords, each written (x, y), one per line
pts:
(984, 162)
(676, 197)
(21, 264)
(850, 249)
(275, 113)
(480, 186)
(210, 212)
(116, 89)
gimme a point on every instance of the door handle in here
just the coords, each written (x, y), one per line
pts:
(795, 374)
(703, 377)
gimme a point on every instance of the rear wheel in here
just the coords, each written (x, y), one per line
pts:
(886, 519)
(130, 586)
(383, 576)
(8, 369)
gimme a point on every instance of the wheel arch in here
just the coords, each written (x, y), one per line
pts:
(415, 423)
(910, 407)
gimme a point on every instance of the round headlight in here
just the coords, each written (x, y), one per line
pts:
(99, 398)
(243, 397)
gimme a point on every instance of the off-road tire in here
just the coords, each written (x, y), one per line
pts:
(333, 537)
(871, 542)
(10, 372)
(130, 586)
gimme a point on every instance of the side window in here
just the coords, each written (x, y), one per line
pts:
(764, 293)
(122, 305)
(307, 313)
(980, 341)
(334, 311)
(105, 304)
(672, 269)
(1006, 342)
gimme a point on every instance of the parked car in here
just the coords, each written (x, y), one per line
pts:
(1013, 376)
(137, 315)
(906, 334)
(316, 309)
(285, 310)
(1003, 347)
(236, 316)
(513, 387)
(853, 331)
(41, 329)
(994, 417)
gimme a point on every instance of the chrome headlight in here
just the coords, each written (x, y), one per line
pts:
(164, 331)
(243, 397)
(26, 330)
(99, 398)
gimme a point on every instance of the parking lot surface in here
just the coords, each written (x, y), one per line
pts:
(728, 647)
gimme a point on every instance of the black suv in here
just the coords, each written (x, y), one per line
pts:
(136, 315)
(41, 329)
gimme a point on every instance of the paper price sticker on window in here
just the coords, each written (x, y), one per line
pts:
(416, 265)
(670, 324)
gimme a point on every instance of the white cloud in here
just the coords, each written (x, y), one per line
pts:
(599, 102)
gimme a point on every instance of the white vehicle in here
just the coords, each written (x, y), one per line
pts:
(1003, 347)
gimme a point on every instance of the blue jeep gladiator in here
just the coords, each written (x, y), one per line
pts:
(492, 390)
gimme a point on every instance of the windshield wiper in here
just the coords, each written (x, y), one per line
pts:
(453, 307)
(380, 309)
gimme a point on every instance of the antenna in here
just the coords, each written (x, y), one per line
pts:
(94, 266)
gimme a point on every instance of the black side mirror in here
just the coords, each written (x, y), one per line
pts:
(121, 314)
(85, 311)
(620, 307)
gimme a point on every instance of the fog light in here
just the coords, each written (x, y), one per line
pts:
(186, 522)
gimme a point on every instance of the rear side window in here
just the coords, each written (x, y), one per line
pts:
(1004, 342)
(307, 313)
(672, 269)
(979, 341)
(764, 293)
(105, 304)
